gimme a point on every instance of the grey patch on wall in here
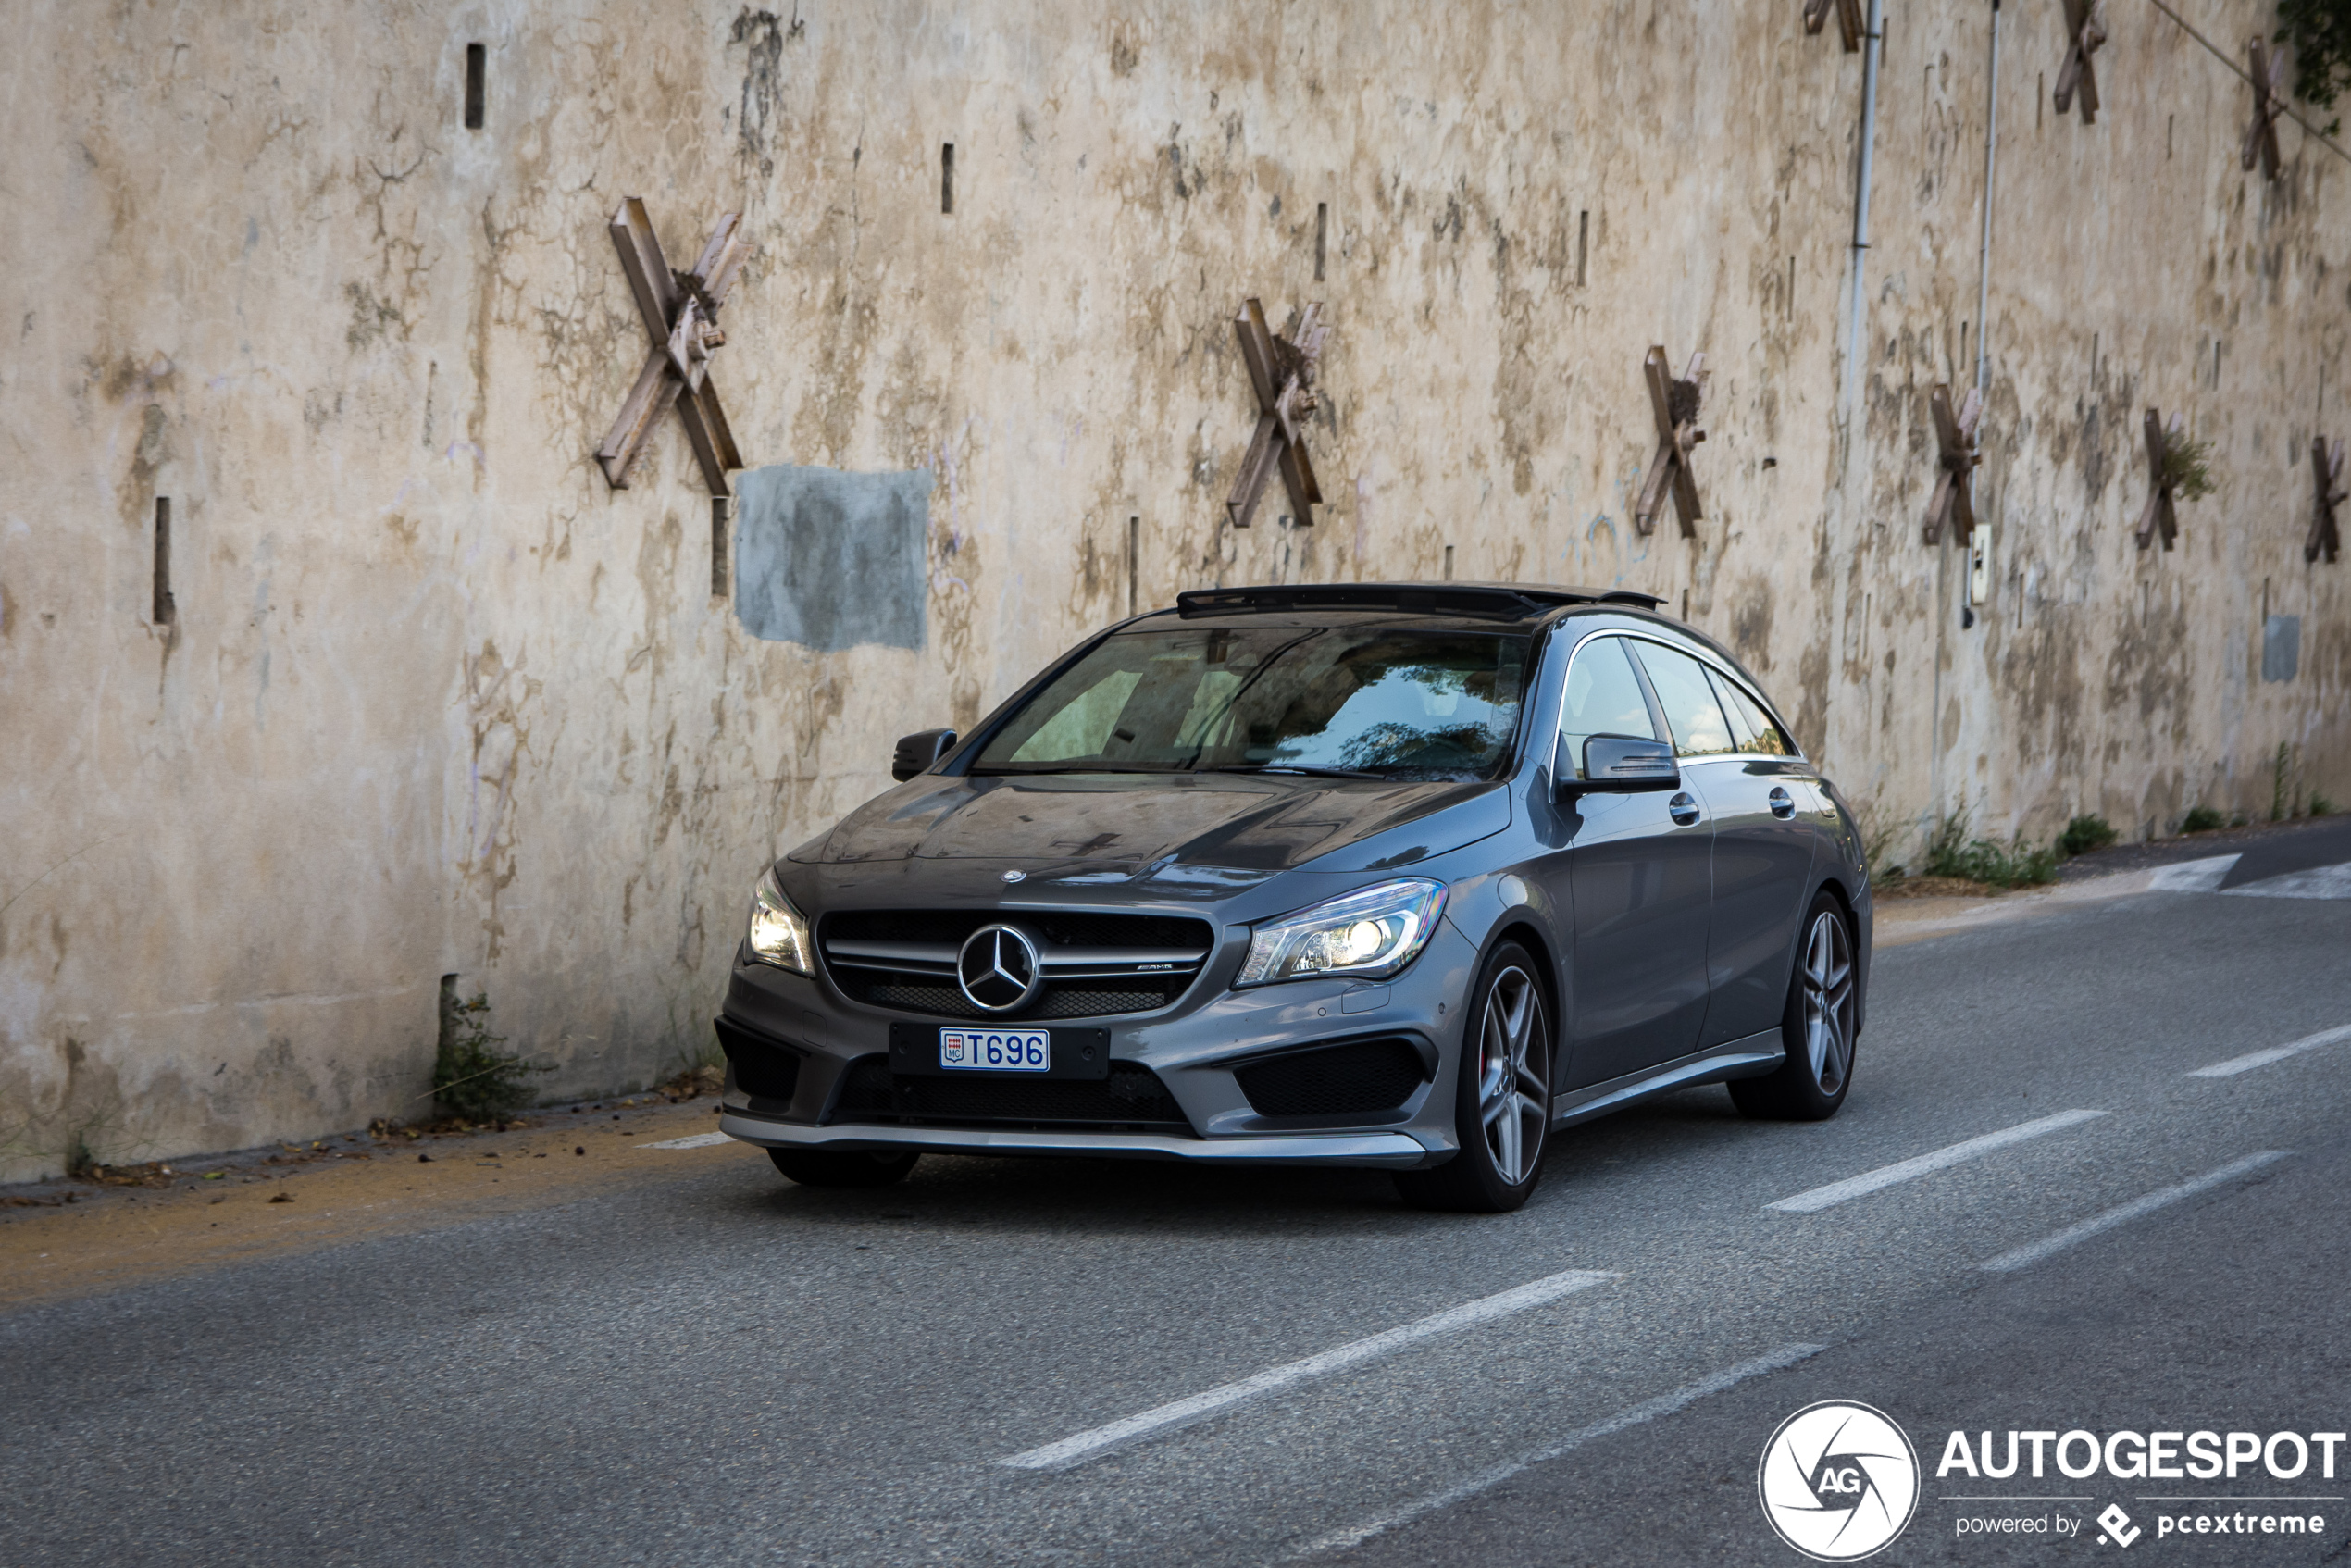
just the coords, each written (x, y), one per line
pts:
(2281, 647)
(830, 560)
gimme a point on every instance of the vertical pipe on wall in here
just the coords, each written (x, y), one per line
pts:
(1857, 350)
(1984, 264)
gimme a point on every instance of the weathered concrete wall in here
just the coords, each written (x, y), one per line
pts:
(437, 701)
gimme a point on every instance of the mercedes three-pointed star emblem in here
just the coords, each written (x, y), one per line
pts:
(998, 968)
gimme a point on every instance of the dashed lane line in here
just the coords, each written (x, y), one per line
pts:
(1861, 1185)
(2246, 1064)
(1091, 1444)
(2137, 1208)
(1649, 1409)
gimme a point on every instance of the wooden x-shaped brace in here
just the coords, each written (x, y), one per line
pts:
(1954, 501)
(2327, 474)
(2159, 513)
(1281, 371)
(2261, 136)
(680, 312)
(1848, 19)
(2086, 31)
(1674, 403)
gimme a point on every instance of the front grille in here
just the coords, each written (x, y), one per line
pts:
(1357, 1079)
(1109, 962)
(1130, 1100)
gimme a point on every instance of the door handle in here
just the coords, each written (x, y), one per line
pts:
(1783, 804)
(1683, 809)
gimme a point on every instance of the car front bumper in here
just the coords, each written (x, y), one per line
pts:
(1194, 1049)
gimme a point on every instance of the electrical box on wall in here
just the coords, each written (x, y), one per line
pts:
(1979, 565)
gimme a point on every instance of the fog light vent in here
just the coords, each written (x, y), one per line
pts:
(1357, 1079)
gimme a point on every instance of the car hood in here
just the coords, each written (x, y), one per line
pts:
(1123, 827)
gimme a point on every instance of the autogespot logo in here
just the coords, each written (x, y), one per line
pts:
(1839, 1481)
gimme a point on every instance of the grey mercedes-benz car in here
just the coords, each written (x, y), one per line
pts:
(1408, 875)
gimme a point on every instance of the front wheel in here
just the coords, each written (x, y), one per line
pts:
(1502, 1106)
(850, 1167)
(1824, 1000)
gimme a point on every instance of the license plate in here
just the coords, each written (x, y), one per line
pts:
(996, 1051)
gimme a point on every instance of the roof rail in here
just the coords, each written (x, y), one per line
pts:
(1512, 599)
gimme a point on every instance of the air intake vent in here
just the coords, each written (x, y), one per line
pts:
(1131, 1100)
(763, 1069)
(1358, 1079)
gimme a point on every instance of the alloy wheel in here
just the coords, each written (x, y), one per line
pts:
(1828, 1002)
(1513, 1090)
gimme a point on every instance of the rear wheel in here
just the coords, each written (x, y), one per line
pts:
(1823, 999)
(1503, 1099)
(851, 1167)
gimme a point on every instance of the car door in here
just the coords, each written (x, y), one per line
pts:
(1634, 871)
(1754, 787)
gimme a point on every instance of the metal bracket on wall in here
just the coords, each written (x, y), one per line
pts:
(2085, 32)
(1953, 499)
(1674, 404)
(680, 312)
(2326, 473)
(1281, 372)
(1848, 20)
(2261, 135)
(2159, 513)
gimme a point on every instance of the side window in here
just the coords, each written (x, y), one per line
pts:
(1688, 697)
(1603, 697)
(1749, 724)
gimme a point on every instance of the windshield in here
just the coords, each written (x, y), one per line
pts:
(1347, 700)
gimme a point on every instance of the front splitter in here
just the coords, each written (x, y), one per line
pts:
(1393, 1150)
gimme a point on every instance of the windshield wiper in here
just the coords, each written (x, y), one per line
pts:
(1308, 769)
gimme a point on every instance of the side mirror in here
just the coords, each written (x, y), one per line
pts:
(1615, 764)
(919, 752)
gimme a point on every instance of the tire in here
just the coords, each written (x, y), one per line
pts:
(1824, 998)
(856, 1167)
(1502, 1100)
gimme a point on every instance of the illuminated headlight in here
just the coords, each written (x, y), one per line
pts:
(779, 933)
(1370, 934)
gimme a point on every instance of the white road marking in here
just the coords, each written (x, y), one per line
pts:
(700, 1140)
(1867, 1182)
(1649, 1409)
(2321, 882)
(1091, 1444)
(2026, 1256)
(2193, 876)
(2246, 1064)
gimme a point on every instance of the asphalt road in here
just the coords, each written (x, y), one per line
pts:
(724, 1368)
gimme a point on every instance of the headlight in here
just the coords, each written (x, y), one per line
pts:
(779, 933)
(1371, 933)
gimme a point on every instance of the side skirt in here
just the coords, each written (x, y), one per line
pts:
(1748, 1058)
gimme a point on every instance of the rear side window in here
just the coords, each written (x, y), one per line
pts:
(1750, 725)
(1688, 697)
(1603, 698)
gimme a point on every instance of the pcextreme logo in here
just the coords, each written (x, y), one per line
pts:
(1839, 1481)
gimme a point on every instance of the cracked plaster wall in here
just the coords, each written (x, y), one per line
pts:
(437, 701)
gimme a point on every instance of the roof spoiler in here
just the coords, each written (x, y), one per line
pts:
(1514, 600)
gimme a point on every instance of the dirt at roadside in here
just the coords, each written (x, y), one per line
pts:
(68, 1238)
